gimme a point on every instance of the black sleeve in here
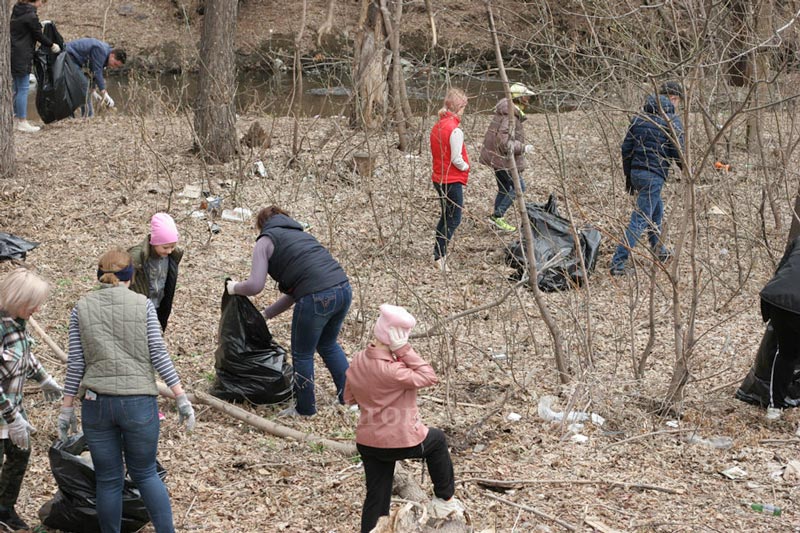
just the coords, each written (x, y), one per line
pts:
(35, 27)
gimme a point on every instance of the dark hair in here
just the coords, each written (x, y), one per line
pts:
(267, 213)
(120, 55)
(671, 88)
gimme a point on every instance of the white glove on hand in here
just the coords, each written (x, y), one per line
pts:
(185, 411)
(19, 432)
(229, 285)
(96, 95)
(528, 148)
(52, 391)
(108, 100)
(67, 423)
(398, 338)
(55, 48)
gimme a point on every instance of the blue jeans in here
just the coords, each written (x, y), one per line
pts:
(316, 323)
(451, 202)
(505, 191)
(646, 217)
(125, 425)
(22, 85)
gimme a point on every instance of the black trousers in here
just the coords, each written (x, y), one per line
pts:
(379, 471)
(15, 463)
(787, 329)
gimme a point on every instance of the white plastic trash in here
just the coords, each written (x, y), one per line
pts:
(546, 412)
(514, 417)
(259, 169)
(237, 214)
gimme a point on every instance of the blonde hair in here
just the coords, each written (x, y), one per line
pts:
(454, 100)
(22, 290)
(113, 261)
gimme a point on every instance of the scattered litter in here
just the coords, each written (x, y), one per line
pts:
(546, 413)
(672, 423)
(259, 169)
(499, 356)
(192, 190)
(237, 214)
(720, 443)
(305, 225)
(198, 214)
(773, 413)
(514, 417)
(478, 448)
(576, 427)
(714, 210)
(579, 439)
(213, 228)
(723, 252)
(734, 473)
(792, 470)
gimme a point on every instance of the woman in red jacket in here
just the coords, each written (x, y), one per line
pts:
(383, 381)
(450, 170)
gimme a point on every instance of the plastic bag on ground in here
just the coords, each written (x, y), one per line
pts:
(554, 249)
(755, 387)
(250, 365)
(73, 509)
(13, 247)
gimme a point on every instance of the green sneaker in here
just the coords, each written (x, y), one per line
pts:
(501, 223)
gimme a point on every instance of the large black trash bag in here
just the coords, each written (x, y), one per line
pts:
(755, 386)
(554, 249)
(61, 86)
(73, 507)
(13, 247)
(250, 365)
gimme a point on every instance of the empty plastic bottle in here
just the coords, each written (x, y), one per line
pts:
(766, 508)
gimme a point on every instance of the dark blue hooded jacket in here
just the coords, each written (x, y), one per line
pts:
(649, 145)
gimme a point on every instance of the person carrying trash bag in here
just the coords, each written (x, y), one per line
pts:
(780, 306)
(21, 294)
(494, 152)
(383, 380)
(115, 349)
(26, 31)
(316, 285)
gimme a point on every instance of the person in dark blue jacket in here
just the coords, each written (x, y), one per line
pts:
(96, 55)
(653, 141)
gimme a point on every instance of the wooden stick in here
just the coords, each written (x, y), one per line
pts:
(515, 483)
(660, 432)
(540, 514)
(345, 448)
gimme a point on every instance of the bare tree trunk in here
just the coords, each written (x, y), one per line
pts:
(434, 37)
(8, 161)
(527, 233)
(369, 68)
(215, 116)
(297, 86)
(327, 26)
(396, 80)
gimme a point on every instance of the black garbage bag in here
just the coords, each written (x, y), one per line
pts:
(61, 85)
(73, 507)
(13, 247)
(755, 386)
(554, 249)
(250, 365)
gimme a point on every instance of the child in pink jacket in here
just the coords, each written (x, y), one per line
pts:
(383, 381)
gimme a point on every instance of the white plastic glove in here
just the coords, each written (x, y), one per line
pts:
(55, 48)
(108, 100)
(229, 285)
(185, 411)
(528, 148)
(51, 389)
(398, 337)
(96, 95)
(19, 432)
(67, 423)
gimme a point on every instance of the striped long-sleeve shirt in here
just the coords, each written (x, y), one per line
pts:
(76, 364)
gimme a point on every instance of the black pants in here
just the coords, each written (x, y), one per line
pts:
(379, 471)
(15, 463)
(787, 329)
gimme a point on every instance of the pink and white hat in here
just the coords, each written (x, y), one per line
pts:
(392, 316)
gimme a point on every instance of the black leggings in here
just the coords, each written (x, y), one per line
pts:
(787, 330)
(379, 471)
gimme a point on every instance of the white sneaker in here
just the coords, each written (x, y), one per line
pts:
(26, 127)
(439, 508)
(441, 264)
(291, 412)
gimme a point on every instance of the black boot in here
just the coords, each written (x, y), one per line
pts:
(11, 520)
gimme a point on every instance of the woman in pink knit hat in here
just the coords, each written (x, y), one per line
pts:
(156, 262)
(383, 381)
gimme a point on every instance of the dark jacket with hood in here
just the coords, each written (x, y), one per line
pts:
(650, 144)
(141, 283)
(26, 30)
(494, 152)
(783, 290)
(299, 263)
